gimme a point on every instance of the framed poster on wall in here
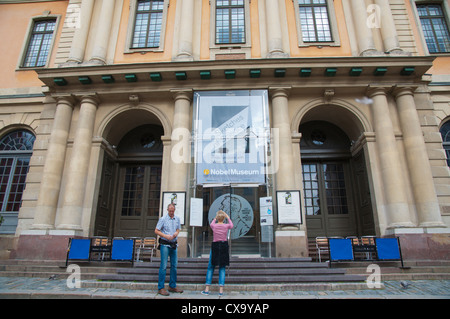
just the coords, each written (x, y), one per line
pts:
(179, 200)
(288, 207)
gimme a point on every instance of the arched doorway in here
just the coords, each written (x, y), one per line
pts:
(335, 183)
(139, 182)
(129, 193)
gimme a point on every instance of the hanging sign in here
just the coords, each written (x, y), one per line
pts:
(196, 212)
(231, 134)
(266, 211)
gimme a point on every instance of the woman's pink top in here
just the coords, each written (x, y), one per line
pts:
(220, 230)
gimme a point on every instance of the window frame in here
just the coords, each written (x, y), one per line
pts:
(132, 24)
(446, 11)
(28, 36)
(332, 23)
(445, 144)
(11, 216)
(229, 8)
(229, 48)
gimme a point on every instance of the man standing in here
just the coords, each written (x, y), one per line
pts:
(168, 228)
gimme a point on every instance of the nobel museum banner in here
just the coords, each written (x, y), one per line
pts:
(231, 135)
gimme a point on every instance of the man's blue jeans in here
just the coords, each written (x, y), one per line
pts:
(166, 252)
(210, 272)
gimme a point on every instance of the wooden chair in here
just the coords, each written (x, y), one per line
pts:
(147, 244)
(368, 240)
(100, 246)
(322, 246)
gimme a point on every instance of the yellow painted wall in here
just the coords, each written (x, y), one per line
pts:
(14, 22)
(254, 29)
(205, 31)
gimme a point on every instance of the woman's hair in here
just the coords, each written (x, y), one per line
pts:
(220, 216)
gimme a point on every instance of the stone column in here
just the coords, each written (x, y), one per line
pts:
(388, 29)
(185, 39)
(181, 143)
(390, 166)
(283, 144)
(47, 202)
(364, 35)
(274, 34)
(103, 32)
(81, 32)
(290, 241)
(418, 163)
(74, 193)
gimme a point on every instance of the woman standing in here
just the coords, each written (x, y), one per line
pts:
(219, 250)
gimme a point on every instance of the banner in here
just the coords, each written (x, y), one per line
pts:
(231, 134)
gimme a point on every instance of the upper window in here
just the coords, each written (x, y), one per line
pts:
(15, 153)
(445, 132)
(314, 21)
(230, 21)
(435, 28)
(148, 23)
(39, 43)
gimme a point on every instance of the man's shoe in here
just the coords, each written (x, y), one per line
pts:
(176, 290)
(163, 292)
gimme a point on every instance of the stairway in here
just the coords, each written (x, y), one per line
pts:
(253, 273)
(241, 271)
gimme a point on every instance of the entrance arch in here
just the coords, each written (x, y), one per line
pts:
(335, 181)
(130, 187)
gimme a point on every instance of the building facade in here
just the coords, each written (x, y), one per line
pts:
(300, 118)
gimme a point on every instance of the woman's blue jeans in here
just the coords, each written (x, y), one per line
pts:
(166, 252)
(210, 272)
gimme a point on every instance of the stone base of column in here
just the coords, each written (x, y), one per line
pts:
(182, 244)
(423, 243)
(277, 54)
(41, 247)
(291, 243)
(183, 57)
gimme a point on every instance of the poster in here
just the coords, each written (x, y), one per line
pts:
(266, 211)
(231, 134)
(288, 207)
(196, 212)
(176, 198)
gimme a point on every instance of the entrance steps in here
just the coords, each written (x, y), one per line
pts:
(241, 271)
(257, 274)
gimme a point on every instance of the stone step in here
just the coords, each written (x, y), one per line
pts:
(236, 272)
(267, 267)
(241, 270)
(238, 280)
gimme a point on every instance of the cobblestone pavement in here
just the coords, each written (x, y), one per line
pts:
(23, 287)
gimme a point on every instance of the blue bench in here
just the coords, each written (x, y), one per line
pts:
(80, 249)
(387, 249)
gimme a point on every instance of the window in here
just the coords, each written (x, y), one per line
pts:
(435, 28)
(230, 21)
(148, 24)
(15, 153)
(314, 21)
(445, 132)
(324, 189)
(39, 44)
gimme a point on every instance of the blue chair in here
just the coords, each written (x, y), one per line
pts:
(340, 249)
(122, 250)
(79, 249)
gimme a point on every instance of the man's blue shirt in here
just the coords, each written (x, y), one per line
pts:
(168, 226)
